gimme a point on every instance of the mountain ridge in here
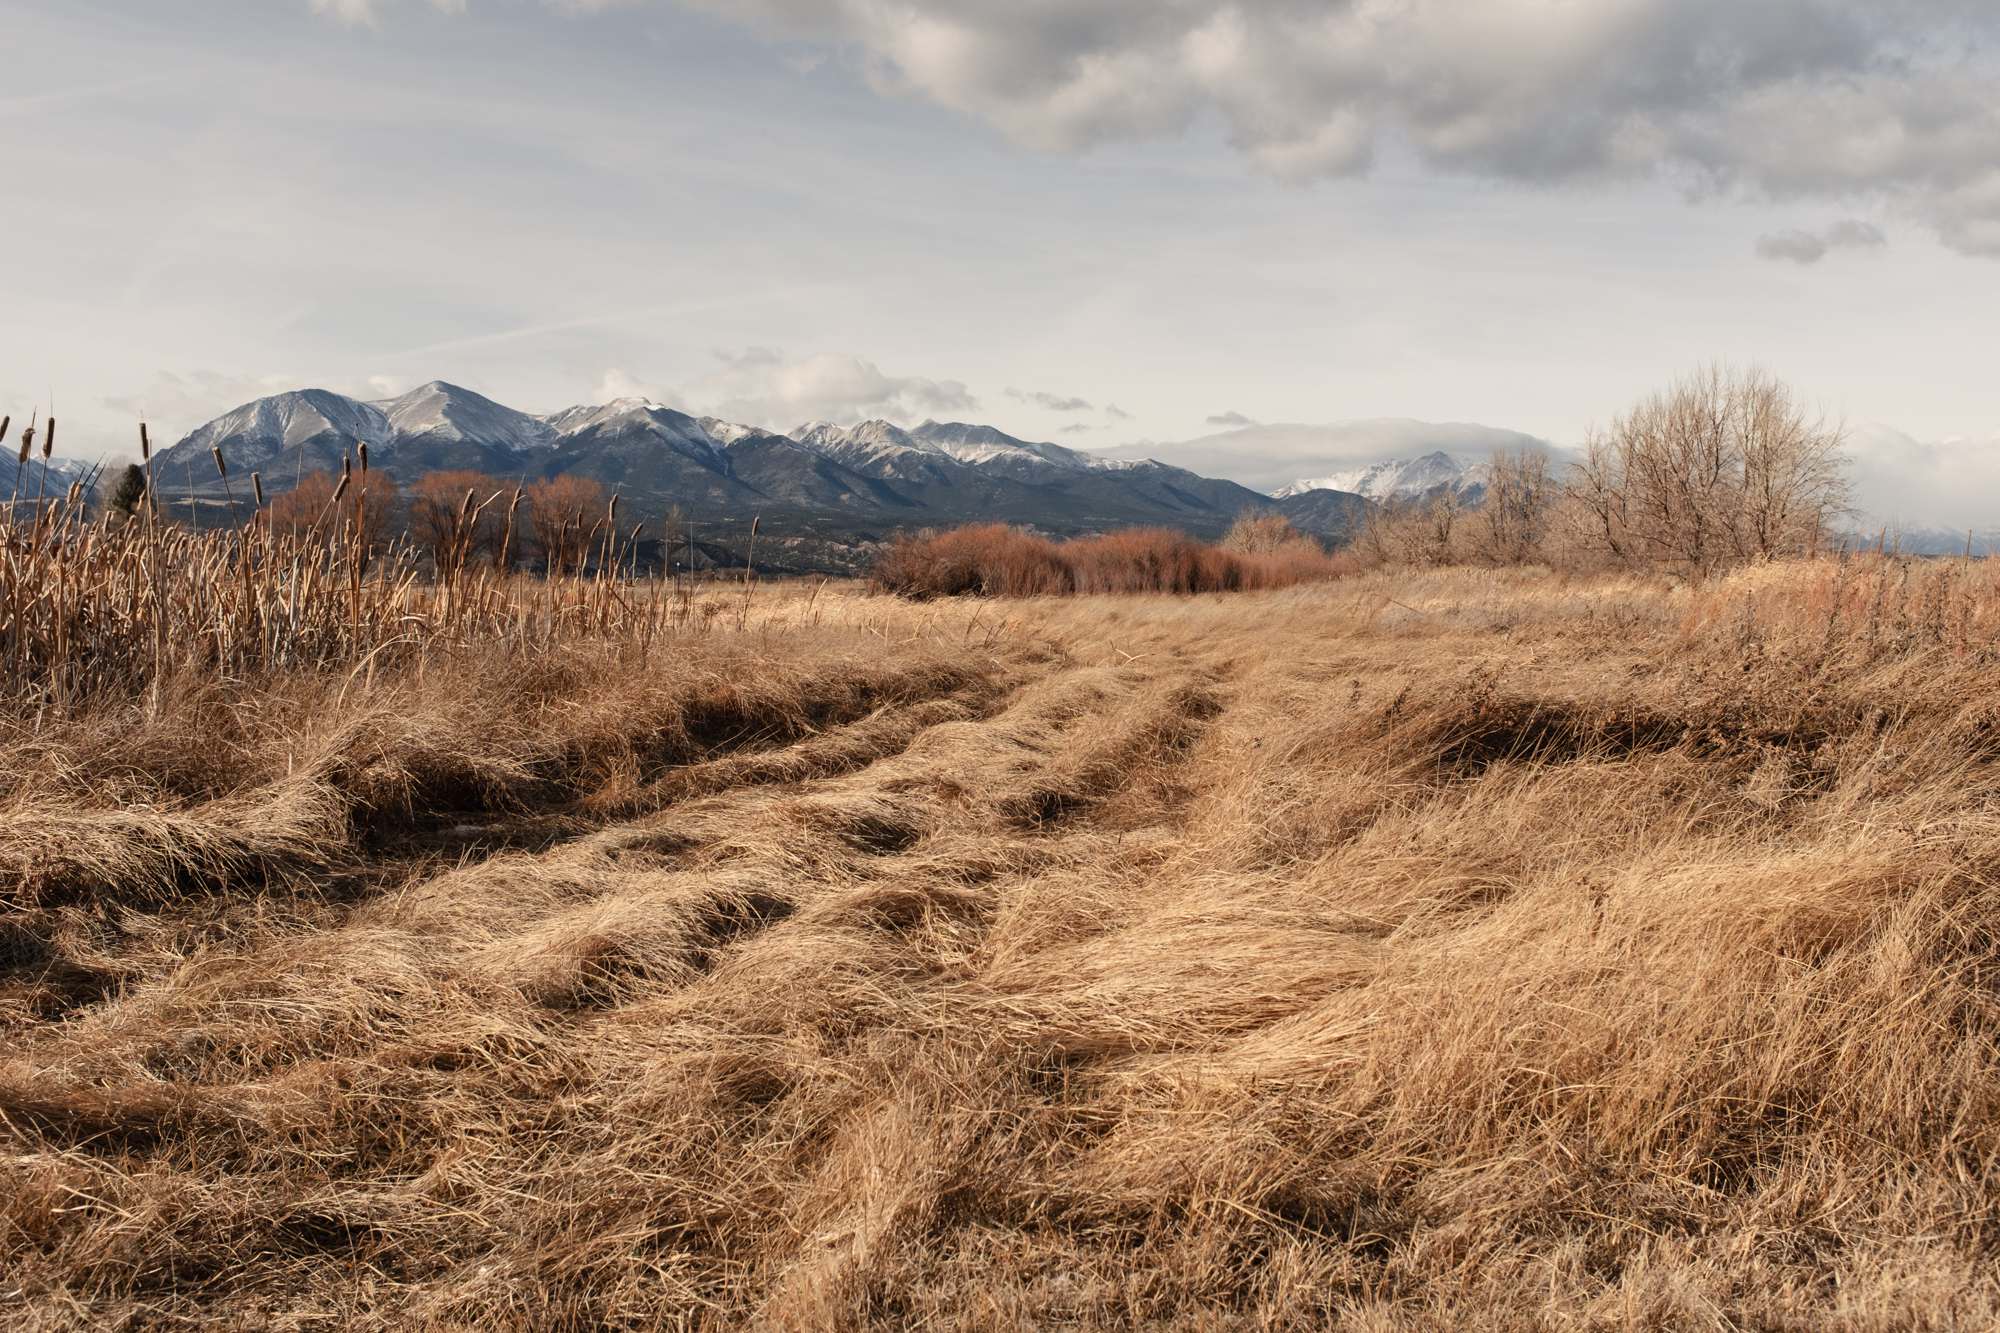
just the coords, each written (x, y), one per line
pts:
(873, 475)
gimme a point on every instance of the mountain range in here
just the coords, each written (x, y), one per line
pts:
(869, 478)
(1382, 457)
(26, 481)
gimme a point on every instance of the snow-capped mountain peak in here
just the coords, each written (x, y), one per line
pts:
(258, 431)
(875, 435)
(631, 420)
(446, 412)
(727, 433)
(1394, 479)
(981, 445)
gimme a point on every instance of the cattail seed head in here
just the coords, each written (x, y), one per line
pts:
(4, 423)
(145, 444)
(49, 440)
(27, 444)
(257, 488)
(340, 490)
(221, 468)
(364, 457)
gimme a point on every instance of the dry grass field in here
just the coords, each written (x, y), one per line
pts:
(1442, 950)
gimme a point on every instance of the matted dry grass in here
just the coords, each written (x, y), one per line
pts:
(1447, 950)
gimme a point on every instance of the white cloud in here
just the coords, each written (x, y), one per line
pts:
(1809, 247)
(367, 12)
(1776, 98)
(1779, 98)
(1051, 402)
(763, 387)
(616, 383)
(1230, 420)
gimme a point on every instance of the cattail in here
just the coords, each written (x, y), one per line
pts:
(340, 489)
(257, 487)
(364, 458)
(145, 444)
(27, 444)
(221, 469)
(49, 440)
(4, 423)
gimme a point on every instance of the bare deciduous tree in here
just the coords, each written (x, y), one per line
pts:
(364, 508)
(1509, 526)
(451, 516)
(1724, 466)
(563, 511)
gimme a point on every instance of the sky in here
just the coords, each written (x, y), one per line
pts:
(1096, 221)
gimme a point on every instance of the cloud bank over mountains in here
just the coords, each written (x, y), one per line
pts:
(762, 386)
(1780, 99)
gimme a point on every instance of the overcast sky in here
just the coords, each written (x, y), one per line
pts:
(1092, 220)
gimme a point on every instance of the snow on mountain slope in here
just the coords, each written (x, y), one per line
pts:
(638, 417)
(35, 477)
(728, 433)
(1270, 458)
(446, 412)
(980, 445)
(888, 448)
(1394, 479)
(257, 432)
(877, 449)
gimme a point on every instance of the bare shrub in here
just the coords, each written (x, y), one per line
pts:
(1724, 466)
(986, 559)
(995, 560)
(1149, 560)
(1511, 524)
(1261, 533)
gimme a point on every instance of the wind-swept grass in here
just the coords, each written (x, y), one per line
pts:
(1442, 949)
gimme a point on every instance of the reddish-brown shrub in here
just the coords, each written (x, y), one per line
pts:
(994, 560)
(987, 559)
